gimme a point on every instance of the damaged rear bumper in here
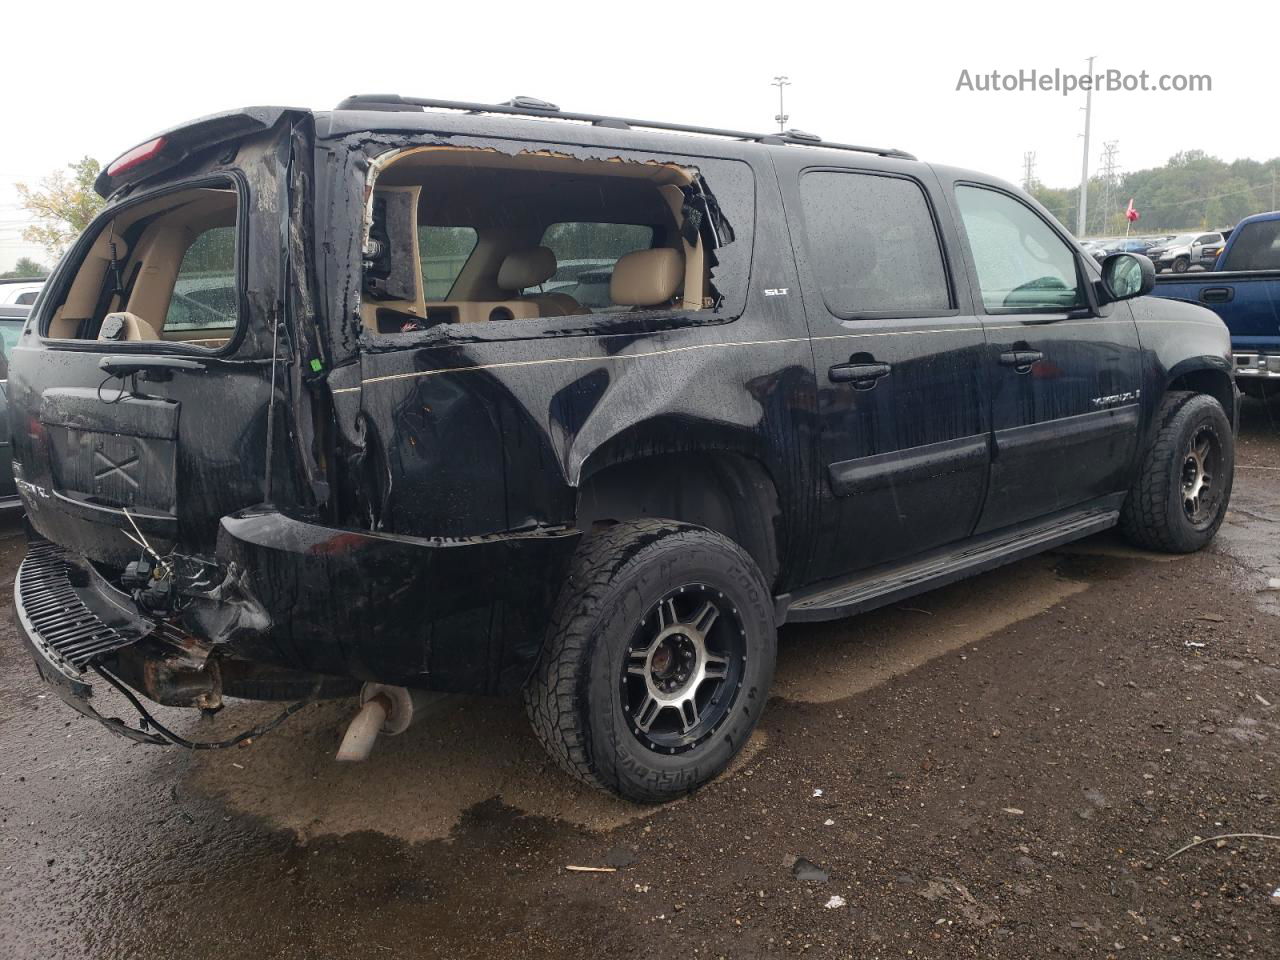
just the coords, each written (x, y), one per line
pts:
(448, 614)
(69, 619)
(457, 614)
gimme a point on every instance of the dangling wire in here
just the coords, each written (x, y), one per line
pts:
(141, 540)
(180, 741)
(271, 408)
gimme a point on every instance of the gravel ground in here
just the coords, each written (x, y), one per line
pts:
(998, 769)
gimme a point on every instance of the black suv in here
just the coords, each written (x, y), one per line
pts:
(305, 406)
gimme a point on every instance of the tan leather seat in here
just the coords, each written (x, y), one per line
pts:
(130, 327)
(647, 278)
(532, 268)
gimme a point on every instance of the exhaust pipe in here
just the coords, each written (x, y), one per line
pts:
(383, 709)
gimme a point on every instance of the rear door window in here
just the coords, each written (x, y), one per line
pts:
(1023, 266)
(873, 244)
(1256, 246)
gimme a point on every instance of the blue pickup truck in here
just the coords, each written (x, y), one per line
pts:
(1244, 290)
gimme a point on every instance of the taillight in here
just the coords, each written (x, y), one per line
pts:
(138, 155)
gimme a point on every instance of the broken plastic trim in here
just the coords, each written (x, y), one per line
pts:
(701, 206)
(167, 738)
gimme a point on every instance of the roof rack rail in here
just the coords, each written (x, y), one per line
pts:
(533, 107)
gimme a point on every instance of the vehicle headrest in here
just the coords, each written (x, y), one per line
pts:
(126, 326)
(647, 278)
(526, 268)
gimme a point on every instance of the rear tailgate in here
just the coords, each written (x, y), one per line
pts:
(172, 433)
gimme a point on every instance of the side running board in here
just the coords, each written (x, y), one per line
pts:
(885, 585)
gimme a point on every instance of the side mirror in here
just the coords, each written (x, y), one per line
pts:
(1127, 275)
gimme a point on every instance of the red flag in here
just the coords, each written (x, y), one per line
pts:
(1130, 213)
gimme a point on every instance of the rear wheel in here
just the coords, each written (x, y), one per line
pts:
(1181, 494)
(1181, 264)
(658, 661)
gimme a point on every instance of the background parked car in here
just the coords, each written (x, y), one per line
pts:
(12, 320)
(1096, 249)
(20, 292)
(1185, 250)
(1244, 292)
(1141, 245)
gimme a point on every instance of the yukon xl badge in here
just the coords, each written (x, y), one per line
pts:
(1129, 396)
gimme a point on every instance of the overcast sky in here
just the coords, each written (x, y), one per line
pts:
(886, 74)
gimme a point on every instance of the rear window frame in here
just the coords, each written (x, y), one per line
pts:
(595, 324)
(64, 274)
(948, 272)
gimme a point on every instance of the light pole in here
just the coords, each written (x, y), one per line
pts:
(782, 117)
(1083, 211)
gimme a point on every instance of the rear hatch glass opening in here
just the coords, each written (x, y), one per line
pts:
(161, 270)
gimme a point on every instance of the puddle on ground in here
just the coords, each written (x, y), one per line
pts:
(832, 661)
(415, 786)
(1251, 531)
(1112, 544)
(1251, 534)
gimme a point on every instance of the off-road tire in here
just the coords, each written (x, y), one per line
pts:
(574, 698)
(1153, 515)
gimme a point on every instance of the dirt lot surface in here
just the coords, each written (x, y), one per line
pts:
(998, 769)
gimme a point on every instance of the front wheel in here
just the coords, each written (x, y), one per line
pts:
(1181, 264)
(658, 662)
(1181, 494)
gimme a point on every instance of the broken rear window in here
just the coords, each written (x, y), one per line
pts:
(468, 236)
(162, 269)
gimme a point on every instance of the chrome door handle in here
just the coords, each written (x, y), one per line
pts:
(862, 375)
(1020, 360)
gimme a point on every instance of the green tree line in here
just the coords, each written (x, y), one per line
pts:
(25, 267)
(1193, 191)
